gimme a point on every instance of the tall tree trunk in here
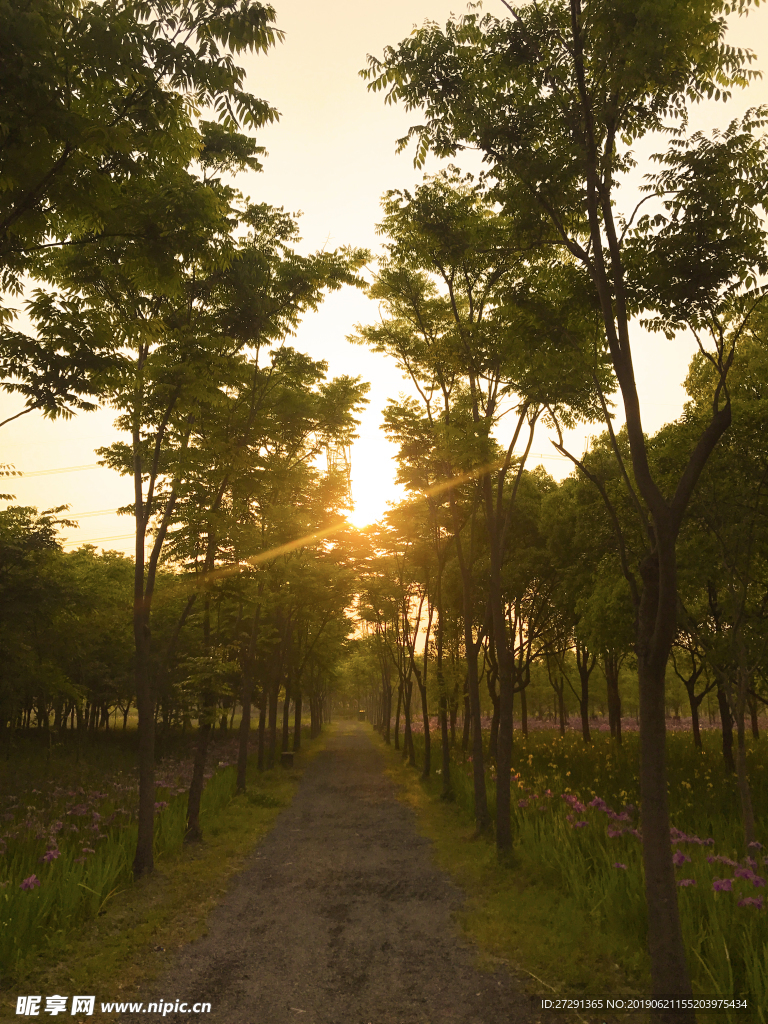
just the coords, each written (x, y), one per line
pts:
(454, 710)
(506, 677)
(467, 724)
(397, 715)
(742, 775)
(274, 689)
(421, 679)
(408, 750)
(655, 632)
(286, 715)
(742, 779)
(752, 701)
(442, 692)
(427, 766)
(612, 668)
(482, 819)
(207, 718)
(263, 699)
(726, 725)
(585, 664)
(561, 706)
(388, 707)
(297, 720)
(524, 709)
(249, 671)
(493, 740)
(194, 832)
(695, 726)
(144, 860)
(244, 733)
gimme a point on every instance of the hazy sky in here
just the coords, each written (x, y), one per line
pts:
(331, 156)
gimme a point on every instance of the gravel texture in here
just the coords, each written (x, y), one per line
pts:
(341, 917)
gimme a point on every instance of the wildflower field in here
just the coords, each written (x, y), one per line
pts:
(67, 842)
(577, 816)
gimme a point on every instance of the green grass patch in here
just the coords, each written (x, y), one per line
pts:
(574, 896)
(517, 914)
(137, 930)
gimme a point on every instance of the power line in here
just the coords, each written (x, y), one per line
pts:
(87, 515)
(99, 465)
(99, 540)
(64, 469)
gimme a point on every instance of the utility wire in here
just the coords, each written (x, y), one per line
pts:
(98, 540)
(98, 465)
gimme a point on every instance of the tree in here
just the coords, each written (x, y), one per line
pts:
(96, 106)
(508, 334)
(31, 587)
(183, 343)
(727, 517)
(553, 97)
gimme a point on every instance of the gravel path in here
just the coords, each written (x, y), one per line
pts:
(341, 917)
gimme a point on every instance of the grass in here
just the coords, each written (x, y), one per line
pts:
(138, 927)
(574, 897)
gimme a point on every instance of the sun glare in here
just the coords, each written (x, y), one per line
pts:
(372, 490)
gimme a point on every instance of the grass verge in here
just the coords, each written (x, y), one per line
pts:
(516, 914)
(134, 938)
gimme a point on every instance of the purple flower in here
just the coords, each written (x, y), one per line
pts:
(749, 875)
(50, 855)
(722, 884)
(574, 801)
(87, 849)
(161, 805)
(686, 881)
(522, 803)
(618, 864)
(752, 901)
(579, 824)
(755, 846)
(723, 860)
(629, 808)
(680, 837)
(30, 883)
(678, 858)
(613, 832)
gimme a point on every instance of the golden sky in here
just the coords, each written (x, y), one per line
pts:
(331, 156)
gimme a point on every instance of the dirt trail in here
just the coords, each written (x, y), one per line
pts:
(340, 917)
